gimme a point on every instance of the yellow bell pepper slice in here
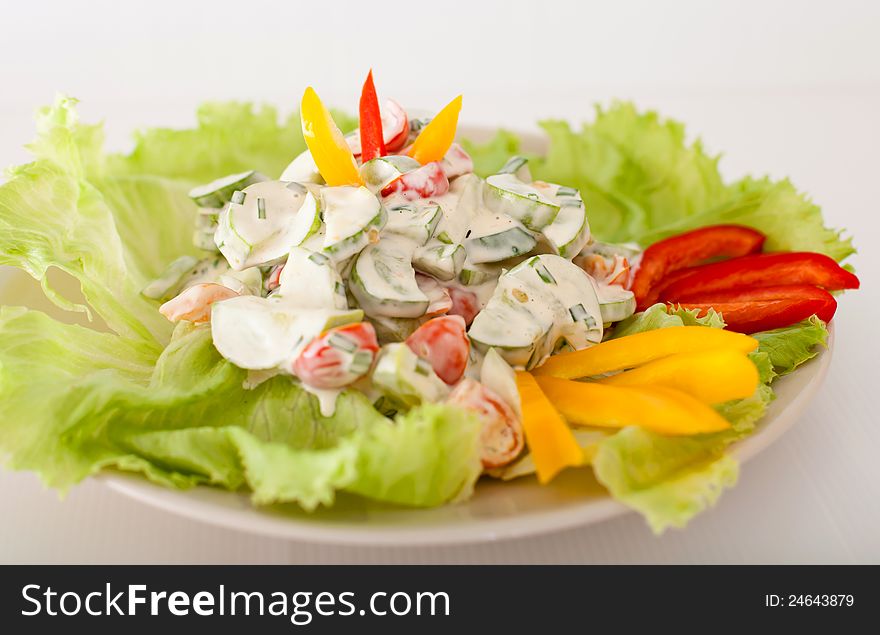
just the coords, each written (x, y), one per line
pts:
(551, 442)
(635, 350)
(663, 410)
(434, 140)
(331, 153)
(710, 376)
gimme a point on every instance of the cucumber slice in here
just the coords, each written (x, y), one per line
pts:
(580, 324)
(405, 378)
(497, 375)
(257, 226)
(460, 206)
(518, 166)
(384, 282)
(416, 222)
(391, 329)
(218, 193)
(309, 280)
(473, 274)
(204, 240)
(533, 207)
(381, 172)
(170, 281)
(353, 218)
(261, 333)
(516, 321)
(610, 250)
(245, 282)
(205, 270)
(303, 169)
(615, 302)
(440, 260)
(307, 221)
(508, 242)
(570, 230)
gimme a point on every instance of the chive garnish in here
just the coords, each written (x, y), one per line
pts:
(261, 208)
(238, 197)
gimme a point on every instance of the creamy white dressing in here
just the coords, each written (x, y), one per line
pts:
(328, 238)
(256, 227)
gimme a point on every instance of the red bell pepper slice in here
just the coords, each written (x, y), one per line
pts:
(688, 249)
(762, 270)
(765, 308)
(372, 141)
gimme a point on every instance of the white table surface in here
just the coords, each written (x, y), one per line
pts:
(789, 95)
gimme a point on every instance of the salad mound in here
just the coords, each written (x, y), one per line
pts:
(297, 311)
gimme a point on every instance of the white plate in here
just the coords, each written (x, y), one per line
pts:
(496, 511)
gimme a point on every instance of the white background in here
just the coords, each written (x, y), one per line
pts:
(785, 88)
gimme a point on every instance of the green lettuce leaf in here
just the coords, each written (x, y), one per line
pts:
(229, 137)
(662, 316)
(184, 419)
(643, 181)
(789, 347)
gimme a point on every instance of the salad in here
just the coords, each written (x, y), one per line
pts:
(395, 314)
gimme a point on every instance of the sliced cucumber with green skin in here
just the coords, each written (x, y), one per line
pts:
(405, 378)
(460, 206)
(353, 217)
(570, 230)
(257, 226)
(533, 207)
(615, 302)
(245, 282)
(310, 280)
(204, 271)
(261, 333)
(518, 166)
(307, 221)
(204, 240)
(391, 329)
(473, 274)
(610, 250)
(414, 221)
(440, 260)
(384, 282)
(170, 281)
(207, 218)
(573, 290)
(497, 375)
(218, 193)
(515, 321)
(381, 172)
(507, 243)
(303, 169)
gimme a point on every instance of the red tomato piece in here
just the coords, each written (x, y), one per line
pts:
(273, 281)
(443, 343)
(395, 124)
(464, 303)
(501, 439)
(690, 248)
(762, 270)
(765, 308)
(338, 356)
(424, 182)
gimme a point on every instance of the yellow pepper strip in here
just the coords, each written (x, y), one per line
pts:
(331, 153)
(435, 138)
(710, 376)
(658, 409)
(550, 440)
(635, 350)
